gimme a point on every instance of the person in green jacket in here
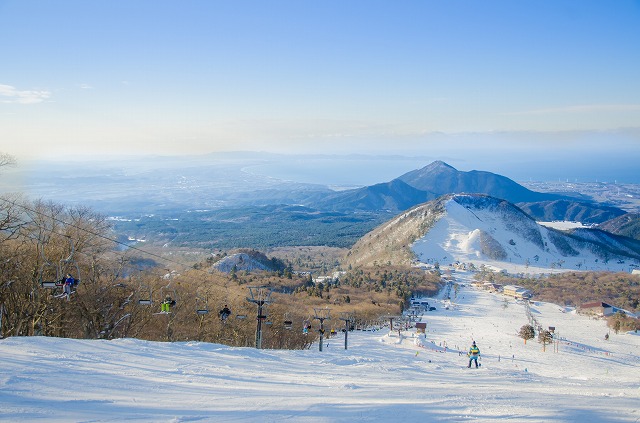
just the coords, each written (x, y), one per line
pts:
(166, 305)
(473, 354)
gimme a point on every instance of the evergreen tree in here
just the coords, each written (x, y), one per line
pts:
(545, 337)
(527, 332)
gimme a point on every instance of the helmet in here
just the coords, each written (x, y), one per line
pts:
(474, 343)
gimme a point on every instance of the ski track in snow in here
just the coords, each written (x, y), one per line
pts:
(380, 377)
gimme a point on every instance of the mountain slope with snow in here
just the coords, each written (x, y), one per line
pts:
(383, 376)
(483, 230)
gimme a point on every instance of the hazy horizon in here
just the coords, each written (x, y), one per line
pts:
(482, 83)
(332, 170)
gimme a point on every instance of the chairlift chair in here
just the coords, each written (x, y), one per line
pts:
(49, 273)
(288, 324)
(60, 270)
(66, 266)
(170, 294)
(145, 290)
(202, 306)
(51, 285)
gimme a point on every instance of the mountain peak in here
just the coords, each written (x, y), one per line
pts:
(440, 178)
(438, 164)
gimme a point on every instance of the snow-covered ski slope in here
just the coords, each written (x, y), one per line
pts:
(380, 378)
(528, 247)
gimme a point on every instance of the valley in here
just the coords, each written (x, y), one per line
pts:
(622, 195)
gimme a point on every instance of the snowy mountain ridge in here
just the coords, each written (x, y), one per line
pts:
(479, 229)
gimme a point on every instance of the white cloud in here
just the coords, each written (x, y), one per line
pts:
(9, 94)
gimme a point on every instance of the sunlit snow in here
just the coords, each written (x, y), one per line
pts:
(455, 238)
(382, 376)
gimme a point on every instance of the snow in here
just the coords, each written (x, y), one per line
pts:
(564, 225)
(380, 377)
(456, 238)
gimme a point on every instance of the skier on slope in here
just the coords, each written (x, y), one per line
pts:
(473, 354)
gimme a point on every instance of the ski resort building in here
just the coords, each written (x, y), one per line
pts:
(598, 309)
(516, 292)
(602, 309)
(492, 287)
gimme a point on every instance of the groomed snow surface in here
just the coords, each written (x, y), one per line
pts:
(381, 377)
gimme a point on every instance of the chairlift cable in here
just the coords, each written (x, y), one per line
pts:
(30, 211)
(89, 232)
(96, 234)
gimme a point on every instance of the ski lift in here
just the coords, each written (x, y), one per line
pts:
(145, 296)
(288, 324)
(306, 326)
(52, 279)
(202, 306)
(51, 285)
(224, 313)
(66, 265)
(62, 272)
(165, 292)
(169, 297)
(126, 301)
(241, 316)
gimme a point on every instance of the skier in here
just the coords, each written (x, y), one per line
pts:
(224, 313)
(68, 283)
(165, 307)
(473, 354)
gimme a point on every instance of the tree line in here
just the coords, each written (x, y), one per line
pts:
(121, 289)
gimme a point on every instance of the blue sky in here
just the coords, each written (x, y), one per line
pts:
(405, 77)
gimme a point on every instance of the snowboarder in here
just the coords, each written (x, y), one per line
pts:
(473, 354)
(224, 313)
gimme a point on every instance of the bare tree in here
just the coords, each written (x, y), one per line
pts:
(12, 217)
(6, 160)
